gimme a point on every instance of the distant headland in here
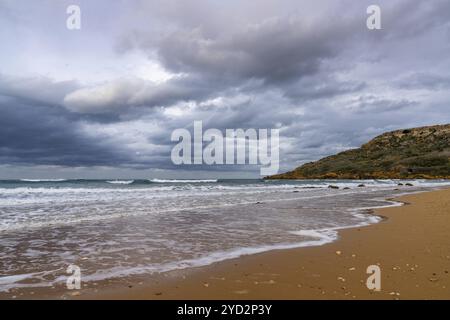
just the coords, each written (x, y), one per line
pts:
(416, 153)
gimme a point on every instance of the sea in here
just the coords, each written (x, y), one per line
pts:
(113, 229)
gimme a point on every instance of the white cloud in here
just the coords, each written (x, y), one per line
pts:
(109, 97)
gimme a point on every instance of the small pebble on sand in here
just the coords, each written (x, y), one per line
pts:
(241, 292)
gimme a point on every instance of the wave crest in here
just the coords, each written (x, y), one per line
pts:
(182, 181)
(120, 181)
(43, 180)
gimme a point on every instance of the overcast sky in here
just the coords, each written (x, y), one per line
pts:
(102, 101)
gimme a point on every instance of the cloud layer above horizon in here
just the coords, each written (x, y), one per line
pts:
(107, 97)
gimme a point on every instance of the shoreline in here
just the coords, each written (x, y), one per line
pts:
(411, 244)
(333, 270)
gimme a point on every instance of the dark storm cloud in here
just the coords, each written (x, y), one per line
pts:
(35, 128)
(117, 97)
(37, 134)
(36, 90)
(281, 51)
(311, 69)
(372, 104)
(275, 50)
(324, 87)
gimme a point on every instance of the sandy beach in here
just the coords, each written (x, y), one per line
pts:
(411, 247)
(221, 150)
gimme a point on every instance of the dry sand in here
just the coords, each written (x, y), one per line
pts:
(412, 248)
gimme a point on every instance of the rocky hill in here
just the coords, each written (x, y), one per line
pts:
(403, 154)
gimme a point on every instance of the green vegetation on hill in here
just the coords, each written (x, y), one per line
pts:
(403, 154)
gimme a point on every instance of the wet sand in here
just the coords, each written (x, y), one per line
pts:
(411, 247)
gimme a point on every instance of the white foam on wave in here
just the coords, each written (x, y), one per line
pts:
(182, 181)
(67, 221)
(376, 183)
(5, 280)
(324, 236)
(16, 281)
(120, 181)
(205, 260)
(43, 180)
(321, 237)
(328, 235)
(117, 272)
